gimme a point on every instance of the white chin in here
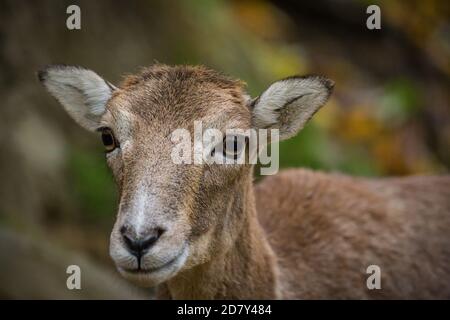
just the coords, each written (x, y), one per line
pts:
(151, 278)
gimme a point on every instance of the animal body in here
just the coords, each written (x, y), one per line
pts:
(205, 231)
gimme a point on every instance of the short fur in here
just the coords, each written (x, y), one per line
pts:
(327, 229)
(299, 234)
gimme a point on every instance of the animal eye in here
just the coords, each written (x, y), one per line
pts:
(232, 146)
(108, 140)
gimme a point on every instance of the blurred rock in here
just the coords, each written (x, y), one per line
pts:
(36, 269)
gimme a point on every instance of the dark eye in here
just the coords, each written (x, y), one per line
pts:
(108, 140)
(232, 146)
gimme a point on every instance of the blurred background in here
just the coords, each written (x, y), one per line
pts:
(389, 114)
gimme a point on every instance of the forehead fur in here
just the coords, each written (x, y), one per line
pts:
(181, 93)
(197, 74)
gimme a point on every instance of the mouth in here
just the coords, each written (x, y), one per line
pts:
(177, 260)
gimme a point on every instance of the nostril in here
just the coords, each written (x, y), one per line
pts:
(138, 245)
(131, 244)
(151, 238)
(160, 231)
(148, 242)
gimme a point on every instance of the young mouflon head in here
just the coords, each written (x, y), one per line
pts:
(174, 216)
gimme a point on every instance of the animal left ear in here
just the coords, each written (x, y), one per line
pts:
(289, 103)
(81, 92)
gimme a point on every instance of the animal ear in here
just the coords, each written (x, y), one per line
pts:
(289, 103)
(82, 92)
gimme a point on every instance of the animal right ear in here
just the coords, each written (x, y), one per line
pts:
(289, 103)
(81, 92)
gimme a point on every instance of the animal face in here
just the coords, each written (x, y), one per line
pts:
(173, 216)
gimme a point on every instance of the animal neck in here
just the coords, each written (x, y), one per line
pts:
(247, 270)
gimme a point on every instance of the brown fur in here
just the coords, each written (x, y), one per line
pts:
(327, 229)
(298, 234)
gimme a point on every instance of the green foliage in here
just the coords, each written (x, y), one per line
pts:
(92, 184)
(400, 101)
(314, 148)
(308, 149)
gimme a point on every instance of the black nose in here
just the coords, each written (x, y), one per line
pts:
(139, 245)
